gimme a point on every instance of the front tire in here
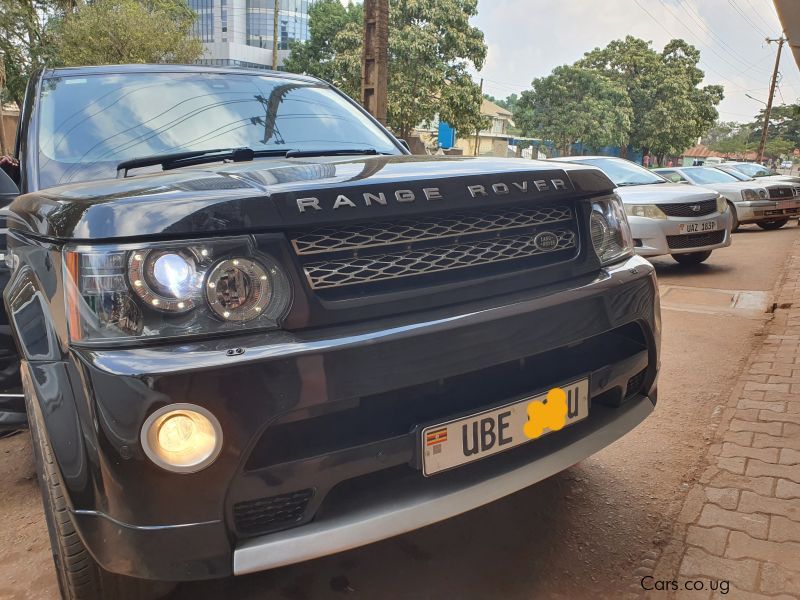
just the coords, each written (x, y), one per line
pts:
(691, 258)
(734, 218)
(771, 225)
(79, 575)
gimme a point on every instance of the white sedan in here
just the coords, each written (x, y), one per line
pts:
(666, 218)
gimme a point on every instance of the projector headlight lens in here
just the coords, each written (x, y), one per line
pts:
(239, 289)
(182, 438)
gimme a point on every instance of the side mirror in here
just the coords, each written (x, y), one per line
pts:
(404, 144)
(8, 188)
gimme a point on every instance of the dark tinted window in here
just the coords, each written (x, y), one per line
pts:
(91, 123)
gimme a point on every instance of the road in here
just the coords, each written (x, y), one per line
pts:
(579, 534)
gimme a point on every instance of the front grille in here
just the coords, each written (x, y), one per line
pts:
(689, 209)
(335, 257)
(265, 514)
(781, 192)
(330, 239)
(695, 240)
(406, 264)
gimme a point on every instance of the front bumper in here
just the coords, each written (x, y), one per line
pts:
(335, 412)
(767, 210)
(656, 237)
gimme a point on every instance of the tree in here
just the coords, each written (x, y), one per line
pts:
(719, 132)
(26, 38)
(127, 31)
(670, 110)
(333, 50)
(575, 104)
(738, 141)
(508, 103)
(784, 122)
(431, 45)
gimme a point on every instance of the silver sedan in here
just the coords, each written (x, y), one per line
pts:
(666, 218)
(768, 204)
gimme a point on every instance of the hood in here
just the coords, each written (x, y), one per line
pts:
(732, 187)
(790, 179)
(276, 194)
(664, 193)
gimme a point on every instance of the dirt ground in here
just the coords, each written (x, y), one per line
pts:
(579, 534)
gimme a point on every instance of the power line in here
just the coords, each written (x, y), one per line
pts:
(671, 35)
(713, 50)
(758, 14)
(697, 18)
(746, 18)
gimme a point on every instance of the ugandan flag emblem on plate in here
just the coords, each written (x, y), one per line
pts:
(437, 436)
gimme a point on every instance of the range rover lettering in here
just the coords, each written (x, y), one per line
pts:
(254, 330)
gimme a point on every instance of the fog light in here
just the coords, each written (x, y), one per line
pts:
(183, 438)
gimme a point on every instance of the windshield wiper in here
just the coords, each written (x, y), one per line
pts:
(173, 160)
(331, 152)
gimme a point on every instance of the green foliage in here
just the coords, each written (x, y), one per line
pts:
(575, 104)
(40, 33)
(784, 122)
(509, 103)
(127, 31)
(333, 50)
(26, 39)
(431, 45)
(778, 148)
(670, 110)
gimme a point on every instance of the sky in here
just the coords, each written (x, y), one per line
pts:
(527, 38)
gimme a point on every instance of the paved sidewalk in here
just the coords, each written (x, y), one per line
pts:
(741, 519)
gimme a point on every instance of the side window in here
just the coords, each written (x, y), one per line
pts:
(672, 176)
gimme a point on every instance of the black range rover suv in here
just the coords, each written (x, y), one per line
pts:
(255, 330)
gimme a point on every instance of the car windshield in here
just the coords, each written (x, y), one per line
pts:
(737, 174)
(623, 172)
(753, 170)
(708, 175)
(89, 124)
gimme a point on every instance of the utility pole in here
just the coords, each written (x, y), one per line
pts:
(375, 61)
(765, 128)
(4, 149)
(275, 12)
(478, 129)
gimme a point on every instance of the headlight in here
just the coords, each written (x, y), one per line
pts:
(172, 289)
(650, 211)
(756, 194)
(722, 204)
(611, 234)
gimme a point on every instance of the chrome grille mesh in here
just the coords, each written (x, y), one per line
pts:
(339, 273)
(330, 239)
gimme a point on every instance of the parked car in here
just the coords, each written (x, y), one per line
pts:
(757, 171)
(255, 330)
(666, 218)
(767, 179)
(769, 204)
(787, 164)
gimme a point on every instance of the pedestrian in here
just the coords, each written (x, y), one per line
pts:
(646, 161)
(669, 163)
